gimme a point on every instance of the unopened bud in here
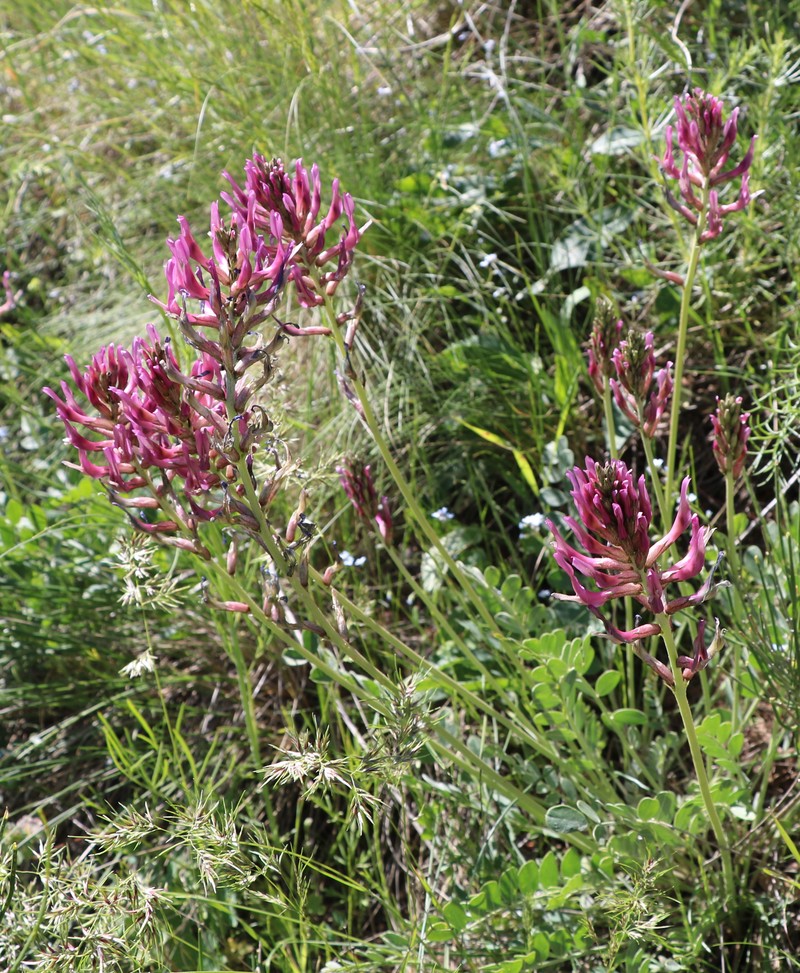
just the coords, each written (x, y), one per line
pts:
(731, 432)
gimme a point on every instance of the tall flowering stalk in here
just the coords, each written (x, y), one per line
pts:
(182, 444)
(731, 431)
(179, 447)
(705, 140)
(618, 559)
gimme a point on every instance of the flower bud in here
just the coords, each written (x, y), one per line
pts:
(603, 340)
(731, 432)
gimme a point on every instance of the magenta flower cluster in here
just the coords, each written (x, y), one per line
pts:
(618, 557)
(147, 419)
(287, 208)
(177, 437)
(357, 483)
(705, 140)
(634, 392)
(628, 368)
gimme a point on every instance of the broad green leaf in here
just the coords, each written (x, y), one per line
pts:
(625, 717)
(528, 877)
(509, 884)
(455, 915)
(439, 932)
(648, 808)
(571, 863)
(588, 811)
(607, 682)
(563, 818)
(548, 871)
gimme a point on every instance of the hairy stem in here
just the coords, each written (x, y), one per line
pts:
(680, 351)
(679, 689)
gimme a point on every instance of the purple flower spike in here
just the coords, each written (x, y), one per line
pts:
(271, 194)
(613, 530)
(731, 432)
(146, 422)
(357, 483)
(705, 140)
(634, 363)
(603, 341)
(242, 277)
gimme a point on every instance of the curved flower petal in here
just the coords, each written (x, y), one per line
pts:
(679, 525)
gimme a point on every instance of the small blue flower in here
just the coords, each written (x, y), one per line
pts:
(349, 561)
(442, 514)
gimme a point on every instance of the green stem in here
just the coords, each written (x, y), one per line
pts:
(733, 554)
(736, 598)
(246, 696)
(258, 614)
(655, 479)
(402, 484)
(680, 351)
(679, 690)
(608, 412)
(283, 567)
(513, 722)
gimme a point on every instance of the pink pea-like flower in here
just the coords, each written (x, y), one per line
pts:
(140, 418)
(642, 402)
(731, 432)
(296, 200)
(616, 554)
(705, 139)
(240, 281)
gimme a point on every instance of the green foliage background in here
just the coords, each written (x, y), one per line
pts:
(525, 801)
